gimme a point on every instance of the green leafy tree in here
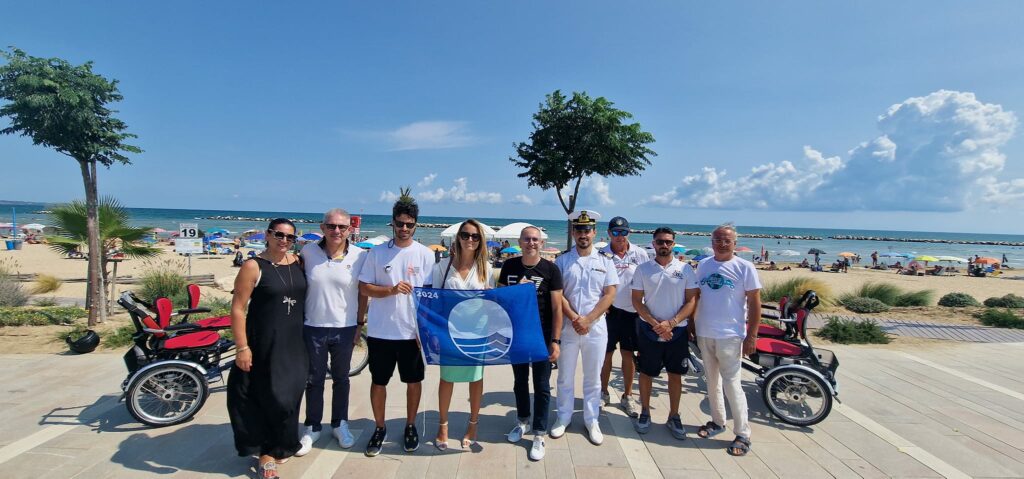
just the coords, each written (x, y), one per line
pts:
(64, 107)
(114, 231)
(579, 137)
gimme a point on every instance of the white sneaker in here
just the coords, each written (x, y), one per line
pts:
(309, 436)
(521, 429)
(594, 434)
(559, 429)
(344, 436)
(537, 450)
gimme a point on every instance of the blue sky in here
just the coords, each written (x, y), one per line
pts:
(887, 115)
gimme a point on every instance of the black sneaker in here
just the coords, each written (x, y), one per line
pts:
(412, 438)
(376, 441)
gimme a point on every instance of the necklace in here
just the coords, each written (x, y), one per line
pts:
(291, 285)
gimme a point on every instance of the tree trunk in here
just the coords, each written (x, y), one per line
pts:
(95, 302)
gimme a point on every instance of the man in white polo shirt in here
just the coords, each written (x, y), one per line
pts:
(661, 298)
(334, 312)
(588, 285)
(728, 314)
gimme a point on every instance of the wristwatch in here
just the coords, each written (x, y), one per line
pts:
(557, 341)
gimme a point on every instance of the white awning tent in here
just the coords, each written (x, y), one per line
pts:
(450, 231)
(35, 227)
(511, 232)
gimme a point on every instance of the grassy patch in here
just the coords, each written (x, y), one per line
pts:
(795, 288)
(1001, 318)
(164, 279)
(46, 284)
(890, 294)
(865, 305)
(915, 298)
(40, 316)
(1009, 301)
(44, 302)
(118, 338)
(850, 331)
(958, 300)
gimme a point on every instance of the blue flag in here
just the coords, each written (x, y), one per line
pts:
(480, 327)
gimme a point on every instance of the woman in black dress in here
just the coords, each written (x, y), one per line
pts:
(268, 378)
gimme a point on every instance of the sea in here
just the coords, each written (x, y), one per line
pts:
(373, 225)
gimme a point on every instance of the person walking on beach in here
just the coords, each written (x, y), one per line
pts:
(389, 274)
(335, 311)
(530, 267)
(663, 294)
(466, 268)
(874, 259)
(622, 317)
(269, 374)
(728, 295)
(589, 281)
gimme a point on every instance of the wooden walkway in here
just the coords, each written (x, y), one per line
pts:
(924, 329)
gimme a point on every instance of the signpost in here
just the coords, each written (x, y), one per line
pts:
(188, 242)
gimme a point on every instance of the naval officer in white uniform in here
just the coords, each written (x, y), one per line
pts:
(589, 282)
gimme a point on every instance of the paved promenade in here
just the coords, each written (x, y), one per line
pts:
(953, 410)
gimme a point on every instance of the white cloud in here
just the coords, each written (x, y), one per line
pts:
(523, 200)
(430, 135)
(458, 193)
(939, 152)
(594, 191)
(427, 180)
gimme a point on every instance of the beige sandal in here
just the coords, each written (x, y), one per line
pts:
(438, 443)
(468, 442)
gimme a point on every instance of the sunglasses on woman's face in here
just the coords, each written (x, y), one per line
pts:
(467, 236)
(282, 236)
(403, 224)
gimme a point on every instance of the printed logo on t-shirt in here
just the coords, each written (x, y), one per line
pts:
(537, 280)
(677, 274)
(387, 268)
(717, 281)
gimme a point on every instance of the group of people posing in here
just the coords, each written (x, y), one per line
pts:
(296, 316)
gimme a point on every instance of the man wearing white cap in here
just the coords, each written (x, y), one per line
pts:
(589, 282)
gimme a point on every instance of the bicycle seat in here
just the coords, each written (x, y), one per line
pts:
(777, 346)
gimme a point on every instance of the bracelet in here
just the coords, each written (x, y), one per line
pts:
(241, 349)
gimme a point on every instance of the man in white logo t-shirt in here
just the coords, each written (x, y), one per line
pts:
(728, 314)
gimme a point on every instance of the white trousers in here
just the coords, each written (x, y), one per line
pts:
(592, 346)
(723, 366)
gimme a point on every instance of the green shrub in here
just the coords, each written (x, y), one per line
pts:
(915, 298)
(118, 338)
(40, 316)
(218, 307)
(45, 301)
(46, 284)
(1000, 318)
(849, 331)
(865, 305)
(164, 279)
(11, 293)
(795, 288)
(958, 300)
(1009, 301)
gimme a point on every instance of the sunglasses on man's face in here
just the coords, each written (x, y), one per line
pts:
(282, 236)
(332, 226)
(467, 236)
(403, 224)
(664, 242)
(620, 232)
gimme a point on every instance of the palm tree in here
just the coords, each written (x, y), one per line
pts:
(114, 231)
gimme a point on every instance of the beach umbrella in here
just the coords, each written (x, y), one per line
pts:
(365, 244)
(33, 227)
(815, 251)
(700, 257)
(511, 232)
(312, 236)
(437, 247)
(744, 249)
(679, 249)
(512, 249)
(951, 259)
(926, 258)
(159, 230)
(493, 244)
(986, 260)
(222, 241)
(257, 237)
(450, 231)
(600, 244)
(847, 254)
(787, 252)
(217, 231)
(550, 249)
(693, 252)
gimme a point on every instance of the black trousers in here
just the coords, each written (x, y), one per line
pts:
(541, 392)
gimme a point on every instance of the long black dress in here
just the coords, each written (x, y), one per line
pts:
(264, 403)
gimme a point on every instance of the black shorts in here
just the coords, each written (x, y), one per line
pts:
(384, 354)
(621, 329)
(654, 355)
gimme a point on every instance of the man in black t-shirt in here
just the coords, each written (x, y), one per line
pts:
(546, 276)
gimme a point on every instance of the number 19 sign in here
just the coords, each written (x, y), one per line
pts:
(188, 241)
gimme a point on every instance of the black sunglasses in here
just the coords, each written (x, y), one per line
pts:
(332, 226)
(464, 235)
(663, 242)
(619, 232)
(403, 224)
(282, 236)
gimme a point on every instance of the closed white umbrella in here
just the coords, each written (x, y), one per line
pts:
(511, 232)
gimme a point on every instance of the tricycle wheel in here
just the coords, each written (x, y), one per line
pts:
(166, 395)
(797, 396)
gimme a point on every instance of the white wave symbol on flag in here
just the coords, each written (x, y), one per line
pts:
(480, 329)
